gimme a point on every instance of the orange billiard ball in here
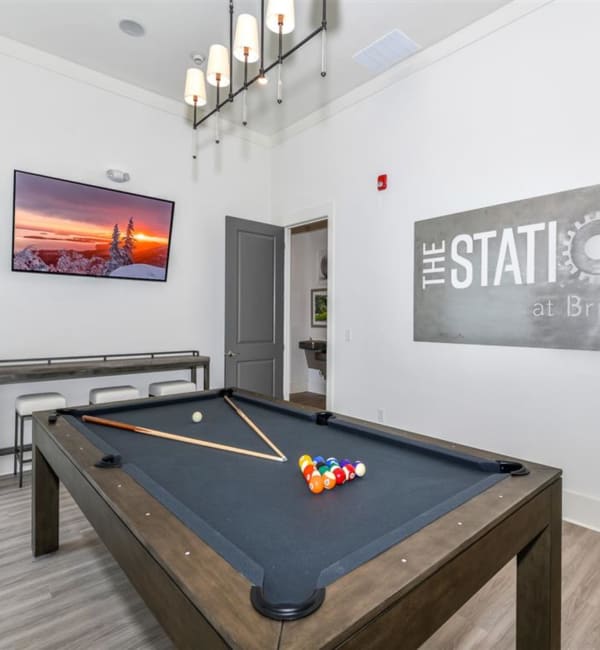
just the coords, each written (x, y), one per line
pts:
(315, 485)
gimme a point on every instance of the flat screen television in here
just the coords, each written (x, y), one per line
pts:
(71, 228)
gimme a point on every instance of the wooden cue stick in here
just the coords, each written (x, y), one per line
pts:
(253, 426)
(173, 436)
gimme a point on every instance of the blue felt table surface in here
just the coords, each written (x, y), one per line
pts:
(258, 514)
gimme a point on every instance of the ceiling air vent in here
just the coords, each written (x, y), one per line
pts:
(386, 51)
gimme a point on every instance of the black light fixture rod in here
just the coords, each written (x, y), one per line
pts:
(324, 40)
(256, 78)
(230, 49)
(297, 47)
(262, 38)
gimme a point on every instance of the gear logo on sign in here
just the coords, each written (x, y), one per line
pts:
(581, 254)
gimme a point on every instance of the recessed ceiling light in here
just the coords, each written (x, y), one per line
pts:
(131, 27)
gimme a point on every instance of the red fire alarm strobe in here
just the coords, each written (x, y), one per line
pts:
(382, 182)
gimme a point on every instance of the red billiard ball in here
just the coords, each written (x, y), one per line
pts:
(340, 476)
(350, 471)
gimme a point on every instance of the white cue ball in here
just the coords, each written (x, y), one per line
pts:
(196, 416)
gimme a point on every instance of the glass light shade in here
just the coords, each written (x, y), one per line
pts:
(284, 8)
(194, 87)
(218, 63)
(246, 35)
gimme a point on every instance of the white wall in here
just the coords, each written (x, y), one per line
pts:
(511, 116)
(304, 276)
(55, 124)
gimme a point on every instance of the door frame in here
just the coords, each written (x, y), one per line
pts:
(310, 215)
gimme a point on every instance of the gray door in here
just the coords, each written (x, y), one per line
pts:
(254, 306)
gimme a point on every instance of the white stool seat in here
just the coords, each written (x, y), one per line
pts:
(113, 394)
(26, 404)
(171, 387)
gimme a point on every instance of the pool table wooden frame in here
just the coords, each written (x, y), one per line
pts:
(399, 597)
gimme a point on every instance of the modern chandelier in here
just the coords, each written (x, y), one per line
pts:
(247, 48)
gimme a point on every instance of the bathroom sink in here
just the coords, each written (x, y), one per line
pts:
(313, 344)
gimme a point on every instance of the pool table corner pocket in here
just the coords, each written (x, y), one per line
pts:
(286, 611)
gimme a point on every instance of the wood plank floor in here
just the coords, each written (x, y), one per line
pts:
(78, 598)
(315, 400)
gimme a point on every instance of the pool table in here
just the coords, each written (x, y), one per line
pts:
(230, 550)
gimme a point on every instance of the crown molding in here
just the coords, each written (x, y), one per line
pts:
(461, 39)
(465, 37)
(57, 65)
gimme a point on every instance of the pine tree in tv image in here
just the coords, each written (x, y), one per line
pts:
(76, 229)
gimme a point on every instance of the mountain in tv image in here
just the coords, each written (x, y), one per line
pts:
(123, 257)
(72, 228)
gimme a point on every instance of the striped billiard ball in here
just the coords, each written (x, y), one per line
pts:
(303, 460)
(315, 485)
(329, 480)
(360, 468)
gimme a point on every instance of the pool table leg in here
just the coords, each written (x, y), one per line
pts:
(44, 507)
(539, 583)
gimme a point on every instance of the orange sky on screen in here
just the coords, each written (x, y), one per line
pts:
(55, 226)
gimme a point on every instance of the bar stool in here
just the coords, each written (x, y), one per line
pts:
(173, 387)
(113, 394)
(25, 405)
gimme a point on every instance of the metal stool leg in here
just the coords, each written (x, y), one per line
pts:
(16, 447)
(21, 436)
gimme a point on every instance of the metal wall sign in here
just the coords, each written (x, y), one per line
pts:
(525, 273)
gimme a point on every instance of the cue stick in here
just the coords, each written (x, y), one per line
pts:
(254, 428)
(173, 436)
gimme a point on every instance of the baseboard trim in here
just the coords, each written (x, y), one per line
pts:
(581, 509)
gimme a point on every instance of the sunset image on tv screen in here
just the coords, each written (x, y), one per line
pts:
(72, 228)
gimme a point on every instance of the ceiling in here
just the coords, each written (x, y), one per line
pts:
(86, 32)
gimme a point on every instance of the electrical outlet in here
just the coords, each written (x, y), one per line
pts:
(348, 335)
(380, 416)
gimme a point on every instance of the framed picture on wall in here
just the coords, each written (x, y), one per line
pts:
(318, 307)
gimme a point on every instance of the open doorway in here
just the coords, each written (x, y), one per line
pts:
(307, 331)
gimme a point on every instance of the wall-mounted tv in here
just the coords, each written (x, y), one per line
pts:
(71, 228)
